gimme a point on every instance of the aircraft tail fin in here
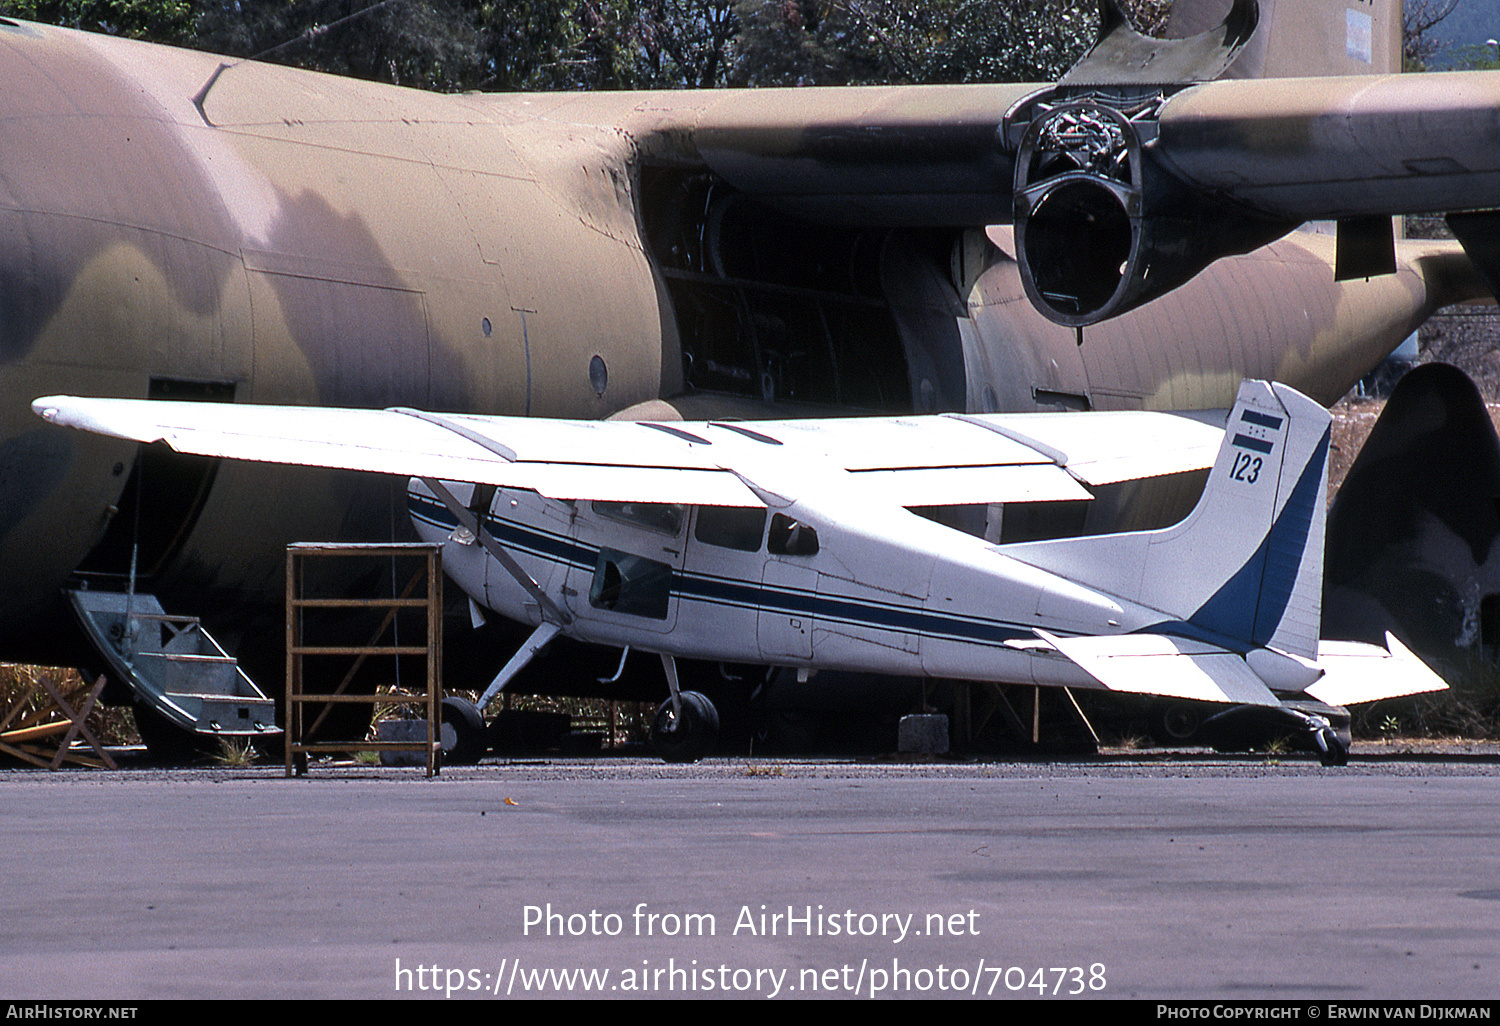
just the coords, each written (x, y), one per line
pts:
(1298, 38)
(1244, 570)
(1210, 39)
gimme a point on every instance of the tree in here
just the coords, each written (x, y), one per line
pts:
(165, 21)
(620, 44)
(685, 42)
(607, 44)
(1420, 17)
(1476, 57)
(433, 44)
(806, 42)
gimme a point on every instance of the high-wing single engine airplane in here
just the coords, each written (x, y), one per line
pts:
(173, 225)
(788, 543)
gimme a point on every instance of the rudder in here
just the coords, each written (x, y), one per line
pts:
(1274, 599)
(1244, 569)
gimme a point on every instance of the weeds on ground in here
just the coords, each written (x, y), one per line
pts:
(235, 752)
(755, 770)
(633, 719)
(1277, 747)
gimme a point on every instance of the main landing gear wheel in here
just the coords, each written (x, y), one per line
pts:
(462, 732)
(689, 736)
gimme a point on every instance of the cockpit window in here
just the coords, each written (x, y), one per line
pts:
(731, 527)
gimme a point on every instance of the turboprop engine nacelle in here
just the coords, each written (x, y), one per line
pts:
(1101, 225)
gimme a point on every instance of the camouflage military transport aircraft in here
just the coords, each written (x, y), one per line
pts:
(174, 226)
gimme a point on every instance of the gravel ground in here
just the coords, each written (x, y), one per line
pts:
(1397, 757)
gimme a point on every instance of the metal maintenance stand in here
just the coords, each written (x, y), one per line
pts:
(429, 568)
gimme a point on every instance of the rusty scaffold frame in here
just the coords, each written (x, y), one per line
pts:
(298, 747)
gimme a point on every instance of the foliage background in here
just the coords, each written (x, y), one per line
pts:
(620, 44)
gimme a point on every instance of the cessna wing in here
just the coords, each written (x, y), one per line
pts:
(947, 459)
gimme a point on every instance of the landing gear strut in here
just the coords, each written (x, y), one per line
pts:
(686, 725)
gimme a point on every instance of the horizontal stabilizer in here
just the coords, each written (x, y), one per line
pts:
(1349, 672)
(1155, 664)
(1354, 672)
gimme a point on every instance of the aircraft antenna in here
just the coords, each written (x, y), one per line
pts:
(316, 31)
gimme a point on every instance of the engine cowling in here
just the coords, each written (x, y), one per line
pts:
(1101, 226)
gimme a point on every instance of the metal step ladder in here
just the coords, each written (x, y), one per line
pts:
(173, 665)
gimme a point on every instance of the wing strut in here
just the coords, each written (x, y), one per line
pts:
(551, 611)
(539, 637)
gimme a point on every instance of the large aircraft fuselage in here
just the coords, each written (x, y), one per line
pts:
(275, 236)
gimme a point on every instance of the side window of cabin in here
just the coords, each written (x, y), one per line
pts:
(787, 537)
(731, 527)
(661, 517)
(631, 584)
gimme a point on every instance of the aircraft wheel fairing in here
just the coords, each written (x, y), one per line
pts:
(462, 733)
(690, 736)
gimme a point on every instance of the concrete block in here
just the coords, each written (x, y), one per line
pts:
(925, 734)
(413, 731)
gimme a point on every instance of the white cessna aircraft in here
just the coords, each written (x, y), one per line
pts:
(789, 543)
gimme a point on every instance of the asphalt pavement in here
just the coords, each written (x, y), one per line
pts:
(1133, 875)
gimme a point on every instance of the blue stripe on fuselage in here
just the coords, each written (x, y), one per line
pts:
(725, 591)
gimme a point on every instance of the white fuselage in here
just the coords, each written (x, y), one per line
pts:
(893, 594)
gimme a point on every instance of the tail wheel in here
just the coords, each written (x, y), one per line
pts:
(689, 735)
(1331, 748)
(462, 732)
